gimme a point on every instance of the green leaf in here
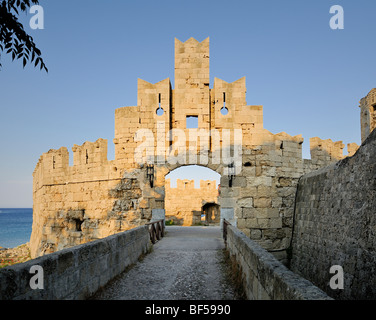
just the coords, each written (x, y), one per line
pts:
(13, 38)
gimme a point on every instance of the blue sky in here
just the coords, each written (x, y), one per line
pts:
(308, 77)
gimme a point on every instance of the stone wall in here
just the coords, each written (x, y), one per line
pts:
(335, 224)
(265, 278)
(184, 203)
(88, 204)
(76, 273)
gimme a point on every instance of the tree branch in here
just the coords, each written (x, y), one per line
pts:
(13, 38)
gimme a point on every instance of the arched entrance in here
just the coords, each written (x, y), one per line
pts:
(211, 213)
(191, 192)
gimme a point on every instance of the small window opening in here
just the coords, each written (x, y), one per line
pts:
(87, 157)
(78, 224)
(192, 122)
(53, 163)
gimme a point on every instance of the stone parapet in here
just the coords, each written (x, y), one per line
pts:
(78, 272)
(265, 278)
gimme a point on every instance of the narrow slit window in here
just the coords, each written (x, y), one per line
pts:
(160, 110)
(78, 224)
(87, 157)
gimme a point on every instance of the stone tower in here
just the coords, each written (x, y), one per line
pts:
(191, 94)
(368, 114)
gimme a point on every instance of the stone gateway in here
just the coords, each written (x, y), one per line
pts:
(95, 197)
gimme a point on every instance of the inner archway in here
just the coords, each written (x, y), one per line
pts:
(188, 192)
(210, 213)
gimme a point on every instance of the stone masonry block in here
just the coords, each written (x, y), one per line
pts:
(264, 202)
(245, 202)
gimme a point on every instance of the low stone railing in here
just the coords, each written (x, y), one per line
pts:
(264, 277)
(75, 273)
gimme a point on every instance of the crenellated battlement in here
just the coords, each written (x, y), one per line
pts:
(89, 163)
(52, 168)
(90, 153)
(327, 151)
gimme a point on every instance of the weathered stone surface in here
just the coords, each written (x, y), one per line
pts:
(264, 202)
(76, 273)
(265, 278)
(335, 224)
(185, 203)
(245, 203)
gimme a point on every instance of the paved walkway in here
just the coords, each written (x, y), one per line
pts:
(187, 264)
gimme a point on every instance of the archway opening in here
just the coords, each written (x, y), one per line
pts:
(191, 194)
(210, 214)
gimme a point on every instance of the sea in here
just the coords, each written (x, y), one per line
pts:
(15, 227)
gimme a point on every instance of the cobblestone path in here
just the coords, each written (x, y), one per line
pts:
(187, 264)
